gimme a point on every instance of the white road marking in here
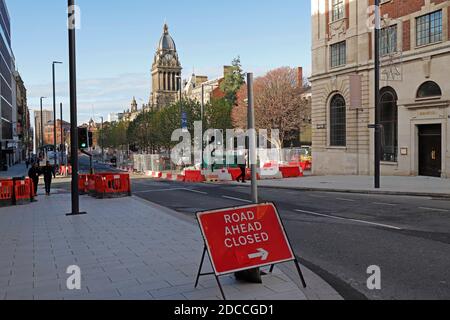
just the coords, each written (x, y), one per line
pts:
(159, 190)
(195, 191)
(348, 219)
(348, 200)
(316, 196)
(237, 199)
(385, 204)
(434, 209)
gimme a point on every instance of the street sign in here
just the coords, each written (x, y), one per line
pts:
(244, 238)
(184, 121)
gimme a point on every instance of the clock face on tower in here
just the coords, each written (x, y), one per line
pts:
(168, 57)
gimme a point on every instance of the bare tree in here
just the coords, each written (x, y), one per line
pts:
(278, 103)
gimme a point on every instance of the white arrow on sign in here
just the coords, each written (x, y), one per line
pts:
(263, 254)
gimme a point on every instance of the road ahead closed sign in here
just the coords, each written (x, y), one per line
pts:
(244, 238)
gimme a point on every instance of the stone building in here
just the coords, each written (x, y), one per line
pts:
(415, 91)
(166, 73)
(200, 88)
(131, 113)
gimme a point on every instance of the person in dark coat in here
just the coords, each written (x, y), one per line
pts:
(34, 174)
(49, 172)
(242, 163)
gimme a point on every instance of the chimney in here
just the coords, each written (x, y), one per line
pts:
(300, 77)
(227, 70)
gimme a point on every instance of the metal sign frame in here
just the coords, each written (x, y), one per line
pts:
(272, 264)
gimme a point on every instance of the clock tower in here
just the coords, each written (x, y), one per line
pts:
(166, 73)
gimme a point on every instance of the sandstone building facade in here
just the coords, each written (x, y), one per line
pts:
(415, 89)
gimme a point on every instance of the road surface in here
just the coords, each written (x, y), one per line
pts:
(339, 236)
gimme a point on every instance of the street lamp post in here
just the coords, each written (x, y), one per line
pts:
(203, 113)
(41, 142)
(61, 149)
(73, 106)
(377, 170)
(101, 140)
(54, 110)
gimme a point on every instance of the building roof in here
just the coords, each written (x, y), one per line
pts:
(166, 43)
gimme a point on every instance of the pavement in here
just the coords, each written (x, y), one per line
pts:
(126, 249)
(19, 170)
(410, 186)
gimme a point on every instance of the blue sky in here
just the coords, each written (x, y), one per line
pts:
(118, 39)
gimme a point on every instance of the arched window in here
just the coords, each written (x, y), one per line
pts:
(429, 89)
(338, 122)
(389, 121)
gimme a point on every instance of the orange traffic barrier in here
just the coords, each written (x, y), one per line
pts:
(23, 191)
(90, 184)
(235, 173)
(110, 185)
(291, 171)
(6, 192)
(82, 183)
(194, 176)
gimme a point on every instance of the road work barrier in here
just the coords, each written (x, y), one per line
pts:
(193, 176)
(23, 191)
(291, 171)
(6, 193)
(112, 185)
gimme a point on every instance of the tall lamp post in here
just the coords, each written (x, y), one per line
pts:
(54, 110)
(101, 140)
(73, 106)
(62, 147)
(41, 142)
(203, 113)
(377, 96)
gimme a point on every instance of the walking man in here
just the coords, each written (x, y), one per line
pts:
(49, 173)
(242, 163)
(33, 174)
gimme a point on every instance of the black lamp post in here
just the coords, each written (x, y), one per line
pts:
(42, 125)
(54, 109)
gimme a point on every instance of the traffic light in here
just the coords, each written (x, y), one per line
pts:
(83, 138)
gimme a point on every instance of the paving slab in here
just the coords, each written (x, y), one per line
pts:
(126, 249)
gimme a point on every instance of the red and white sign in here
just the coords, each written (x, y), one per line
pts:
(244, 238)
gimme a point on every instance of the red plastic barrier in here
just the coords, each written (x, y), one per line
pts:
(90, 184)
(180, 178)
(82, 183)
(23, 191)
(112, 185)
(6, 192)
(291, 172)
(194, 176)
(235, 173)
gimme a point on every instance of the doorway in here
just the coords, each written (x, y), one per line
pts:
(430, 150)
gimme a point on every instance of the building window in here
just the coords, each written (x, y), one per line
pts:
(389, 122)
(429, 28)
(429, 89)
(337, 10)
(338, 54)
(388, 40)
(338, 122)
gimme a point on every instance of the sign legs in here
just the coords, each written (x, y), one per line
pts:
(199, 274)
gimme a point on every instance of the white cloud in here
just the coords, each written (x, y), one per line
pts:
(96, 97)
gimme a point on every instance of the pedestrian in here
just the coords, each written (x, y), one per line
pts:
(49, 172)
(242, 163)
(27, 163)
(34, 174)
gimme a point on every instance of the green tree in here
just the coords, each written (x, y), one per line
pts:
(218, 114)
(233, 81)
